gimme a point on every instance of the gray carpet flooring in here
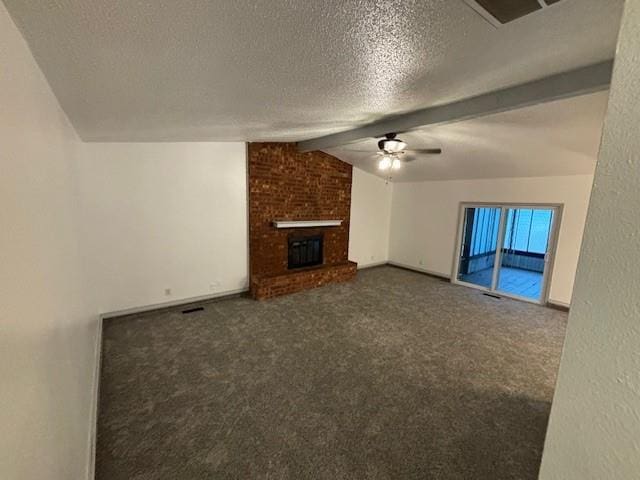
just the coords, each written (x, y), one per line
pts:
(395, 375)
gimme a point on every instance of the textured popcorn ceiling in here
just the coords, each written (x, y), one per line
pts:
(156, 70)
(556, 138)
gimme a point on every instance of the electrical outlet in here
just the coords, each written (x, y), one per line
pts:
(421, 262)
(167, 292)
(213, 286)
(372, 257)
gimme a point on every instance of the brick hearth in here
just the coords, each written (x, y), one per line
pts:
(287, 185)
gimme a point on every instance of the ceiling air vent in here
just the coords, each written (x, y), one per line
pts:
(499, 12)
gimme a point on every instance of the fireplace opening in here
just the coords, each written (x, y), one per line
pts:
(305, 251)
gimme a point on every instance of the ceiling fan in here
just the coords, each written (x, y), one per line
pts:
(392, 149)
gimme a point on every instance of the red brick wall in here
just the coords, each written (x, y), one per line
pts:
(297, 281)
(287, 185)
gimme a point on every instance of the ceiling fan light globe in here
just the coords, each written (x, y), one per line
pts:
(384, 163)
(396, 164)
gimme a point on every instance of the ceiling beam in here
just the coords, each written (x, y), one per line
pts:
(581, 81)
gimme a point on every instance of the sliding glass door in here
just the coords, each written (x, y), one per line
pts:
(479, 244)
(524, 252)
(506, 249)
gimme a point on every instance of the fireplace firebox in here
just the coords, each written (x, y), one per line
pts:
(305, 251)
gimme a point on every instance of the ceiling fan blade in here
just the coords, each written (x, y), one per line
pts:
(425, 151)
(360, 151)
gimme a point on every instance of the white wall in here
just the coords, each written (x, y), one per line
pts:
(594, 428)
(425, 215)
(47, 327)
(370, 219)
(162, 216)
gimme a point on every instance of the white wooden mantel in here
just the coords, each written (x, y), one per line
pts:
(306, 223)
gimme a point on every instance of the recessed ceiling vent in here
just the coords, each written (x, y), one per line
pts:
(499, 12)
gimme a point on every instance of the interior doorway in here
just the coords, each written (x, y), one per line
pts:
(507, 249)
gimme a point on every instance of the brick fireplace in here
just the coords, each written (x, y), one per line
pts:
(286, 185)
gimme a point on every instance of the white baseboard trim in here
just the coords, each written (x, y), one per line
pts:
(371, 265)
(419, 269)
(95, 400)
(173, 303)
(558, 303)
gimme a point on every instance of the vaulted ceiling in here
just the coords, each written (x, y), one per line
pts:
(159, 70)
(550, 139)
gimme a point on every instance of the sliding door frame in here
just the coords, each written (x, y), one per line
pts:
(550, 255)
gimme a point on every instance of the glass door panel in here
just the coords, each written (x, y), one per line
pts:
(524, 253)
(479, 245)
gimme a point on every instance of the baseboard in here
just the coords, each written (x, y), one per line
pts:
(95, 400)
(557, 305)
(174, 303)
(372, 265)
(424, 271)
